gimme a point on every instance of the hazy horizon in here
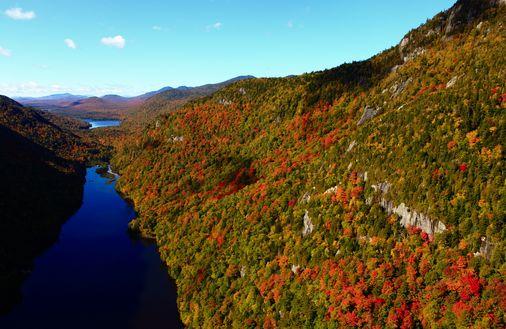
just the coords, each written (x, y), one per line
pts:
(130, 48)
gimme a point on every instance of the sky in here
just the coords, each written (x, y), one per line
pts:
(129, 47)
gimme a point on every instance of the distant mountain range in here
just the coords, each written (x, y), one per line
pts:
(112, 106)
(55, 97)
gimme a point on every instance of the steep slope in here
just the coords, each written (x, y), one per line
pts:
(163, 101)
(43, 174)
(171, 99)
(371, 195)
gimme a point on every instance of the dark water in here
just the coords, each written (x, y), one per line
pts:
(96, 275)
(102, 123)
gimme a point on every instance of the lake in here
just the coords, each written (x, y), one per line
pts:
(102, 123)
(97, 275)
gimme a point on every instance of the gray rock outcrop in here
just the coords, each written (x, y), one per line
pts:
(351, 146)
(485, 248)
(452, 82)
(368, 114)
(308, 225)
(399, 87)
(411, 217)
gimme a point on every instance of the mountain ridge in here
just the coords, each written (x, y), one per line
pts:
(111, 105)
(367, 195)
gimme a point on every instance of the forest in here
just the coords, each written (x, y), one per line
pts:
(368, 195)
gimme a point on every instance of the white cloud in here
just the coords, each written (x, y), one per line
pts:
(11, 90)
(215, 26)
(70, 43)
(19, 14)
(117, 41)
(289, 24)
(5, 52)
(157, 28)
(56, 88)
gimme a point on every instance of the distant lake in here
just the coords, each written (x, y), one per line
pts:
(97, 275)
(102, 123)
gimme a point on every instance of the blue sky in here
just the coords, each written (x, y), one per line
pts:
(129, 47)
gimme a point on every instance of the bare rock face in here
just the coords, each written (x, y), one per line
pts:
(395, 68)
(177, 139)
(305, 198)
(224, 101)
(368, 114)
(485, 248)
(452, 82)
(414, 54)
(399, 87)
(381, 187)
(465, 12)
(308, 225)
(331, 190)
(402, 47)
(411, 217)
(431, 33)
(351, 146)
(408, 217)
(404, 42)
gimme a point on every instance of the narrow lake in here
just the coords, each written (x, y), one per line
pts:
(102, 123)
(97, 275)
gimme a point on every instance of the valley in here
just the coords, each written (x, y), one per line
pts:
(371, 194)
(122, 282)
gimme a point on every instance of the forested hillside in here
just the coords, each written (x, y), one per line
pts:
(42, 168)
(371, 194)
(171, 99)
(154, 104)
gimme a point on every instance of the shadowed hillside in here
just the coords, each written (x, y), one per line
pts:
(42, 185)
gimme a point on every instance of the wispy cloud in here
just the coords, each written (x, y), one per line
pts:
(291, 24)
(30, 87)
(157, 28)
(20, 14)
(35, 89)
(5, 52)
(117, 41)
(70, 43)
(215, 26)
